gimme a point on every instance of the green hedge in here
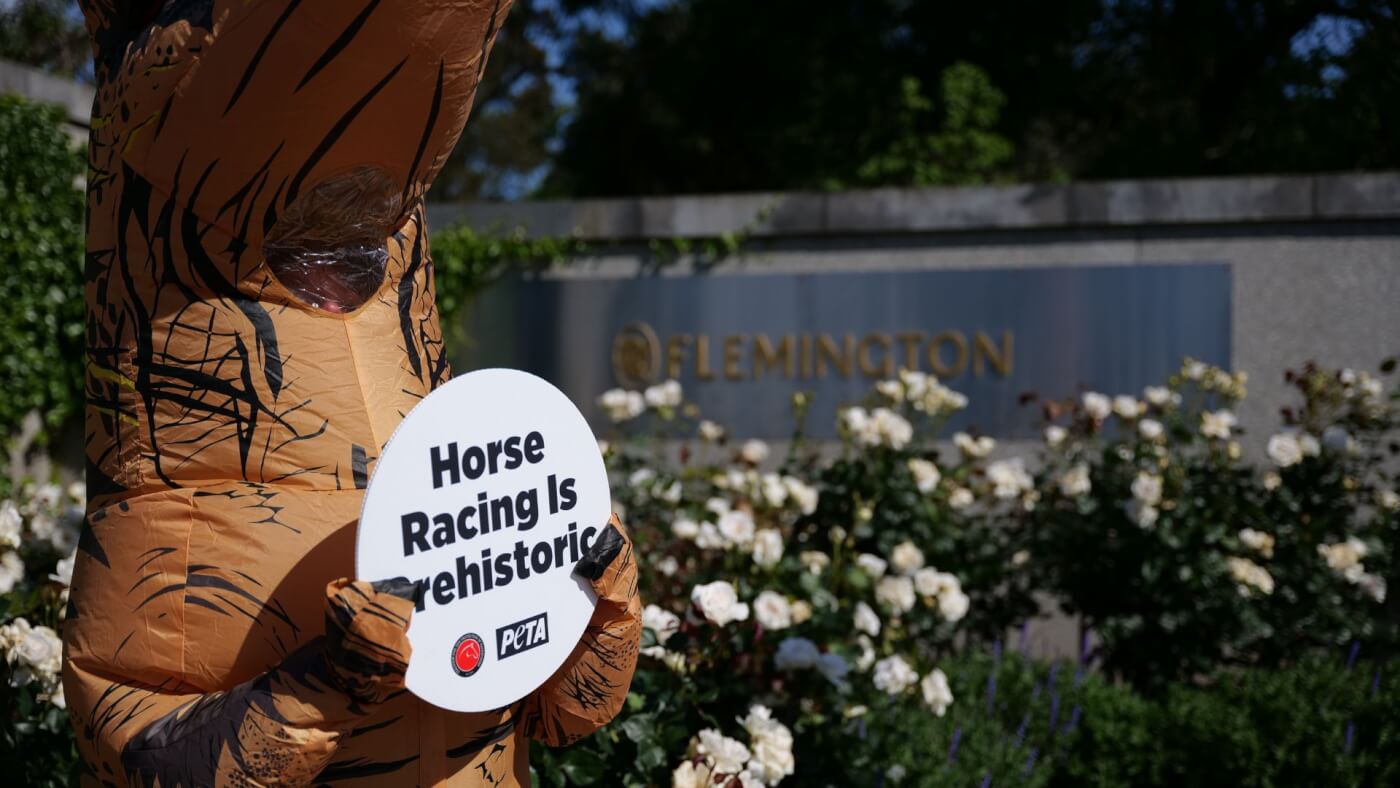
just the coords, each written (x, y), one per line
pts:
(41, 254)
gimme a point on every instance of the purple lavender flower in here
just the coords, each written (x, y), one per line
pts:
(1351, 733)
(1084, 648)
(991, 694)
(1030, 761)
(1054, 711)
(860, 728)
(1035, 692)
(1073, 720)
(1054, 672)
(1025, 646)
(987, 780)
(1021, 731)
(1375, 683)
(996, 652)
(1351, 655)
(953, 748)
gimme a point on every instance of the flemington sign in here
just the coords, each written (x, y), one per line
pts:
(742, 344)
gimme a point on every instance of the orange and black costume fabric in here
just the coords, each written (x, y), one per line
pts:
(260, 317)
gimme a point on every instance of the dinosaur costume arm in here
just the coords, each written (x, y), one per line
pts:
(589, 689)
(278, 728)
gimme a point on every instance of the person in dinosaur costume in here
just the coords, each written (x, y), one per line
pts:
(260, 316)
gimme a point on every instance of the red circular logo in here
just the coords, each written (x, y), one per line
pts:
(468, 654)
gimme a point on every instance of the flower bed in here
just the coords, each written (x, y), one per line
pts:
(843, 619)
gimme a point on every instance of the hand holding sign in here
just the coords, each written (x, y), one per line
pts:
(487, 496)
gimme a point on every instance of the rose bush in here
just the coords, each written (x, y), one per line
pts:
(839, 615)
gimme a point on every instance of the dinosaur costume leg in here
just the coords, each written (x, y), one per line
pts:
(260, 317)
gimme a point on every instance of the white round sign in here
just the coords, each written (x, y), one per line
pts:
(486, 496)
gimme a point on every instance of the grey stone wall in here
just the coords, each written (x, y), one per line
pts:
(36, 85)
(1316, 259)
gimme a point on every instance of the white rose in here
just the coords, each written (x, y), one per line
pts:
(737, 528)
(1272, 481)
(1055, 435)
(803, 494)
(710, 431)
(960, 498)
(663, 622)
(41, 650)
(796, 654)
(728, 755)
(931, 582)
(668, 566)
(938, 696)
(893, 675)
(1075, 482)
(719, 602)
(1147, 488)
(1284, 450)
(63, 572)
(906, 558)
(11, 524)
(767, 547)
(641, 478)
(622, 405)
(1249, 576)
(866, 620)
(1217, 424)
(975, 448)
(925, 473)
(1127, 407)
(896, 593)
(11, 572)
(772, 610)
(1150, 429)
(672, 494)
(871, 564)
(1388, 499)
(1096, 405)
(801, 611)
(1009, 478)
(718, 506)
(709, 537)
(770, 764)
(1373, 585)
(892, 429)
(892, 390)
(753, 452)
(1143, 515)
(692, 775)
(814, 560)
(953, 604)
(1159, 396)
(663, 395)
(685, 528)
(867, 653)
(1258, 541)
(773, 491)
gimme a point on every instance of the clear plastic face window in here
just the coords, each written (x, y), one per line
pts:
(329, 248)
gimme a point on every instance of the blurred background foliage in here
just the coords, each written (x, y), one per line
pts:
(611, 97)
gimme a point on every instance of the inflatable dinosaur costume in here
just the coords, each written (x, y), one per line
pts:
(260, 317)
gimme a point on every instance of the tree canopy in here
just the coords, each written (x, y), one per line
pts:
(612, 97)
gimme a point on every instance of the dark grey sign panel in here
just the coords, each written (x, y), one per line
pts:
(742, 344)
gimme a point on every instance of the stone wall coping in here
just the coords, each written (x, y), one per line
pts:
(1255, 199)
(75, 98)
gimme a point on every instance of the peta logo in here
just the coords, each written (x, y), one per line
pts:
(512, 639)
